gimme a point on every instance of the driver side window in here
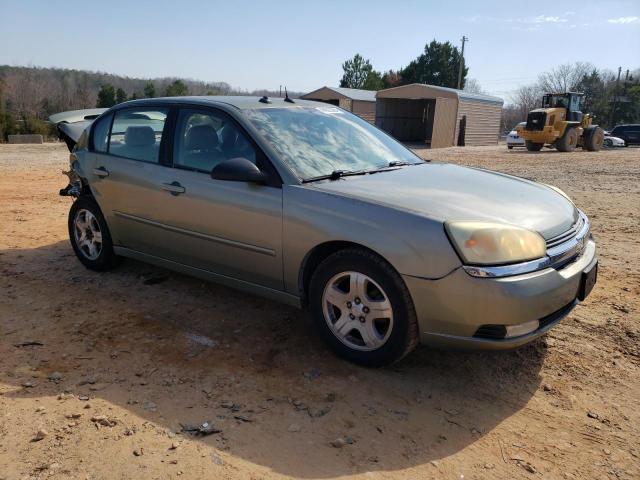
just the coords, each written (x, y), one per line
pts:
(206, 138)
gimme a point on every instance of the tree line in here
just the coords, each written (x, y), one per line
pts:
(29, 95)
(108, 95)
(439, 64)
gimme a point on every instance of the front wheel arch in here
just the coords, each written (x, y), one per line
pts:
(317, 255)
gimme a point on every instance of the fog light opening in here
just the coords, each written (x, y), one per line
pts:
(522, 329)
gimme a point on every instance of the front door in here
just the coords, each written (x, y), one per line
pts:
(230, 228)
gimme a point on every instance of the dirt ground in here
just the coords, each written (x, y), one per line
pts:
(99, 371)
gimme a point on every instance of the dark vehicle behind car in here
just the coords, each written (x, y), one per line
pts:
(629, 133)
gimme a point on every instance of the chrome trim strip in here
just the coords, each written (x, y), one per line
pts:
(556, 255)
(202, 236)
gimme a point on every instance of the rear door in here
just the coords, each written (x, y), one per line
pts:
(129, 174)
(230, 228)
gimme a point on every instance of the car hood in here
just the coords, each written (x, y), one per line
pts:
(449, 192)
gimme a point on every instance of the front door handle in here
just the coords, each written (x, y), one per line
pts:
(101, 172)
(174, 187)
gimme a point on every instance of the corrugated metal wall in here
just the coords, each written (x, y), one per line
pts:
(365, 110)
(345, 103)
(444, 124)
(483, 123)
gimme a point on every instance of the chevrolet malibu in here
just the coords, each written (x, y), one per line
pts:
(308, 204)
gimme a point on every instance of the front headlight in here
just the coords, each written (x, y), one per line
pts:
(484, 243)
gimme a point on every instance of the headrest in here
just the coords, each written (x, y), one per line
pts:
(201, 137)
(139, 136)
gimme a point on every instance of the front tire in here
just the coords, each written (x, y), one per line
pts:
(363, 309)
(533, 146)
(89, 235)
(568, 141)
(510, 147)
(593, 139)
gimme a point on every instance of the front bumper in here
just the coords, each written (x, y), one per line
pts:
(515, 142)
(451, 309)
(547, 135)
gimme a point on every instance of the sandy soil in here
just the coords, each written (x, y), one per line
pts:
(106, 367)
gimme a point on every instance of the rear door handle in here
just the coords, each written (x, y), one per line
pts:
(101, 172)
(174, 187)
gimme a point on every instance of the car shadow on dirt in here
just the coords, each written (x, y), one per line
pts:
(172, 350)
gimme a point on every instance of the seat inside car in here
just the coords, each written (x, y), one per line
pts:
(139, 143)
(201, 148)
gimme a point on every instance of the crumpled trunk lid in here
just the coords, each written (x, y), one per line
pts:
(71, 124)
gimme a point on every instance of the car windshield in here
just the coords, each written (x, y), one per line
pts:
(316, 141)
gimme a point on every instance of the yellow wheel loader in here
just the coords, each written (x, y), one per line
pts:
(561, 124)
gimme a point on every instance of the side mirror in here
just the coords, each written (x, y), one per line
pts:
(238, 170)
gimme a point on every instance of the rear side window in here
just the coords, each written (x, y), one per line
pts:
(137, 133)
(101, 133)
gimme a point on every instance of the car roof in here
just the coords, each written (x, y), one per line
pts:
(241, 102)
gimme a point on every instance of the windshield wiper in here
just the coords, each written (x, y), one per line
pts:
(335, 175)
(404, 163)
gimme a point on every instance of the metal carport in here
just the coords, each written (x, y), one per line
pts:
(438, 116)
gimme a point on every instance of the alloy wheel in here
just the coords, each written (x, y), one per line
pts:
(357, 311)
(87, 233)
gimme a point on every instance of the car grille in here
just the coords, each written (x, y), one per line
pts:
(564, 248)
(491, 332)
(536, 120)
(568, 235)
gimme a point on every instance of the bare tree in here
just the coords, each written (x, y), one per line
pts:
(564, 78)
(472, 85)
(526, 98)
(511, 115)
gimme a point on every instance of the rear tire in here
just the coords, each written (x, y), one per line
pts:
(510, 147)
(533, 146)
(89, 235)
(593, 139)
(568, 141)
(348, 289)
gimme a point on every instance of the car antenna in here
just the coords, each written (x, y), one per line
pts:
(264, 99)
(286, 96)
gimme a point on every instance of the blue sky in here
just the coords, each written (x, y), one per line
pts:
(301, 44)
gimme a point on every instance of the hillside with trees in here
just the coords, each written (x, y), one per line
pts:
(28, 95)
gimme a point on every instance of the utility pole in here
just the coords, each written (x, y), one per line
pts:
(615, 99)
(464, 39)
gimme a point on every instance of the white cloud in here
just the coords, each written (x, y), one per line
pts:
(624, 20)
(548, 19)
